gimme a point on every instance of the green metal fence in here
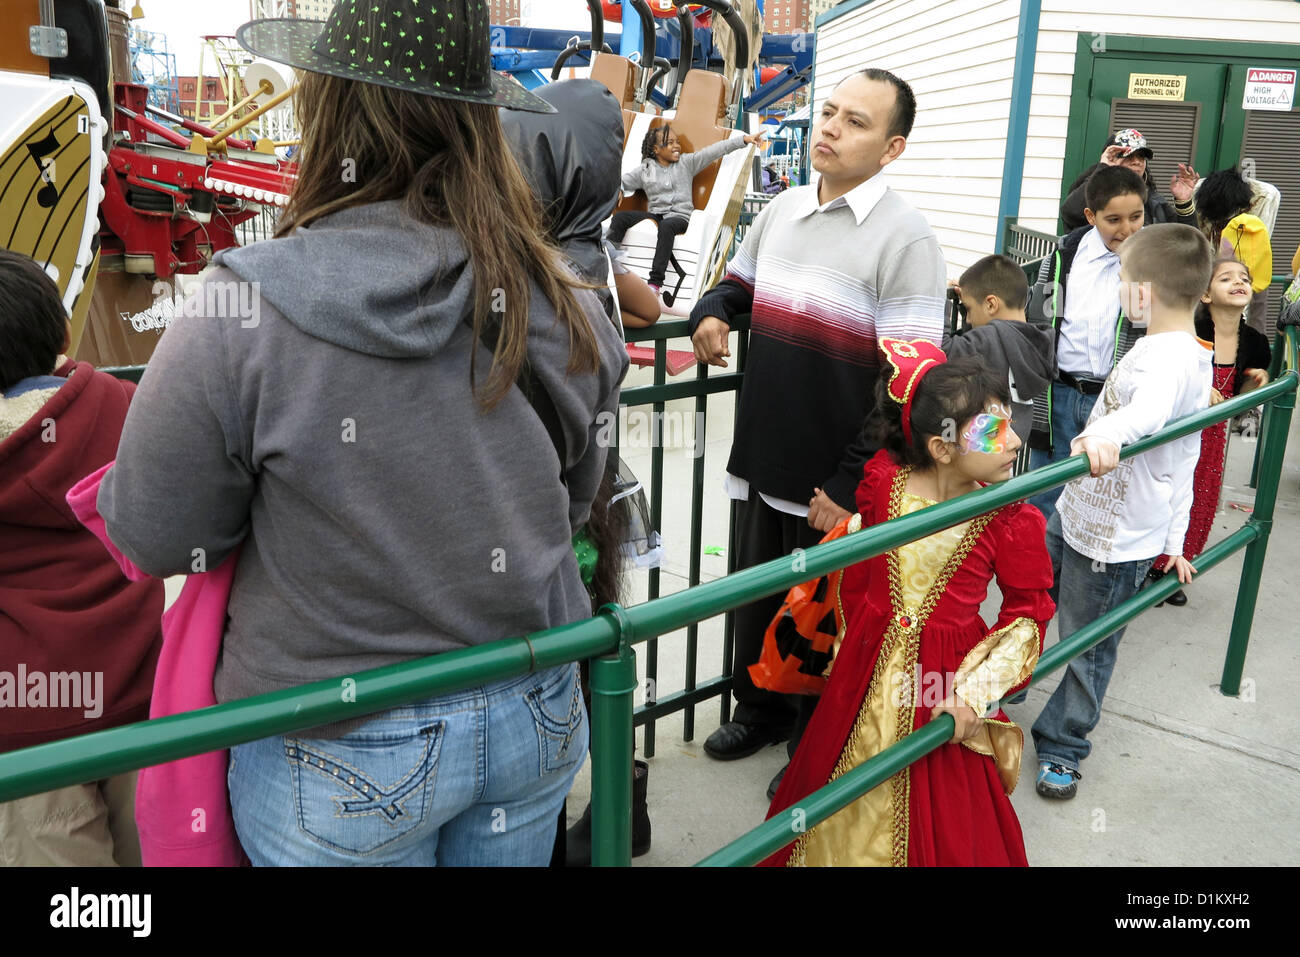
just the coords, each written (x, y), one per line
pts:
(610, 637)
(655, 395)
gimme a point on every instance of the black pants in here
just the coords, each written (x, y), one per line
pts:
(670, 227)
(762, 534)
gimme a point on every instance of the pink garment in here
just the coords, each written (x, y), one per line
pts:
(182, 808)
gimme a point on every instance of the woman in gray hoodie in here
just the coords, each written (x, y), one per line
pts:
(341, 404)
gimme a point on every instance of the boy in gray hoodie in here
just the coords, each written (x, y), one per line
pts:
(995, 292)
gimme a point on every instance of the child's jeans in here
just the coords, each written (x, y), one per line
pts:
(475, 777)
(670, 227)
(1070, 411)
(1083, 590)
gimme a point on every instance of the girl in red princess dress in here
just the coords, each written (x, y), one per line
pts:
(1241, 360)
(915, 644)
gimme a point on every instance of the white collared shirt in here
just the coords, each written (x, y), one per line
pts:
(1087, 343)
(861, 199)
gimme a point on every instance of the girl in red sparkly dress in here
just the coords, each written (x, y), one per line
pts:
(915, 644)
(1241, 359)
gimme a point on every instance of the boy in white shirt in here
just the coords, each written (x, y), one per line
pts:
(1111, 526)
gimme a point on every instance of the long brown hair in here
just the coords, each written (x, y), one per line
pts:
(449, 162)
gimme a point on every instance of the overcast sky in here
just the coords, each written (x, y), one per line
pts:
(184, 22)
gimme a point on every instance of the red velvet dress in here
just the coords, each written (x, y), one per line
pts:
(1207, 485)
(952, 806)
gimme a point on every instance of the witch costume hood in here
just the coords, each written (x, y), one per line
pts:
(572, 159)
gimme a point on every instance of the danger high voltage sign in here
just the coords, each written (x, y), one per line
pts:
(1269, 88)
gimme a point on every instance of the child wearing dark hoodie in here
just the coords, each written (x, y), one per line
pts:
(995, 292)
(78, 641)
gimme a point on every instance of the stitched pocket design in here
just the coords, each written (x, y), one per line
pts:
(364, 791)
(558, 712)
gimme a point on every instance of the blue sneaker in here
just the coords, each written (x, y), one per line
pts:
(1056, 780)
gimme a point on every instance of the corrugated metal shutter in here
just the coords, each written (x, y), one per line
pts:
(1273, 141)
(1170, 129)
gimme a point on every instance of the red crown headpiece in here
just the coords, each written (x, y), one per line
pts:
(909, 362)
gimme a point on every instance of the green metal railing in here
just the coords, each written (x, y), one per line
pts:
(655, 395)
(610, 637)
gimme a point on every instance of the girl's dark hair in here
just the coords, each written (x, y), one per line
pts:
(947, 397)
(607, 529)
(655, 139)
(450, 164)
(1223, 195)
(32, 320)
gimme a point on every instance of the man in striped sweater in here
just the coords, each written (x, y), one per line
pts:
(824, 272)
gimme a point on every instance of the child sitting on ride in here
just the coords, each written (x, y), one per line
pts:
(666, 175)
(915, 645)
(82, 640)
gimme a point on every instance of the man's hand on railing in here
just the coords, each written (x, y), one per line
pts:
(710, 341)
(968, 722)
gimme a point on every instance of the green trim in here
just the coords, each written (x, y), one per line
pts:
(1230, 53)
(1222, 50)
(1233, 128)
(1022, 85)
(1076, 130)
(834, 13)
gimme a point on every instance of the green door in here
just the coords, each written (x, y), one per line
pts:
(1181, 128)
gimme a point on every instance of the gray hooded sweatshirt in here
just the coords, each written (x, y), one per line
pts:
(1021, 352)
(325, 422)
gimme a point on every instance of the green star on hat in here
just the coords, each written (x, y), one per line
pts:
(435, 47)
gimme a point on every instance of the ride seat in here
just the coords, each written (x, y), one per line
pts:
(698, 120)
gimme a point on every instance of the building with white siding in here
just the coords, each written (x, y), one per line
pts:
(1016, 97)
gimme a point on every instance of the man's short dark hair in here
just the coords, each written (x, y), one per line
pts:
(32, 320)
(1109, 182)
(904, 114)
(996, 276)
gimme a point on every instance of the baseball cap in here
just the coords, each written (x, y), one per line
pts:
(1133, 143)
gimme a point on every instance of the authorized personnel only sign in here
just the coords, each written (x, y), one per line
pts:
(1268, 88)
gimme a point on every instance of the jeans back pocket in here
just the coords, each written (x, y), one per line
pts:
(559, 714)
(367, 789)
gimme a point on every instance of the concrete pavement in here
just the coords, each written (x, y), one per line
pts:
(1179, 774)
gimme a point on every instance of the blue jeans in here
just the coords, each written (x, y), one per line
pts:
(1070, 411)
(1083, 590)
(476, 777)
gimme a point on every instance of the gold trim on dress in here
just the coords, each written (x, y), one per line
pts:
(906, 625)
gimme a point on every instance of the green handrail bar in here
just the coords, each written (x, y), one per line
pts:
(779, 831)
(612, 633)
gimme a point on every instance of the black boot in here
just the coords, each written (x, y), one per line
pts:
(578, 839)
(1178, 599)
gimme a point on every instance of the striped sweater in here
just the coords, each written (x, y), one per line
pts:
(821, 290)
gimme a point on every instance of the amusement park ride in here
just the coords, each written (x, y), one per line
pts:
(119, 198)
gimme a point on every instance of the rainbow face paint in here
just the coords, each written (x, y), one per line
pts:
(988, 432)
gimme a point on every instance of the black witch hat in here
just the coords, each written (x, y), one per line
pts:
(436, 47)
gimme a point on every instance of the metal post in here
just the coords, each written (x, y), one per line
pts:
(1273, 431)
(613, 680)
(1274, 370)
